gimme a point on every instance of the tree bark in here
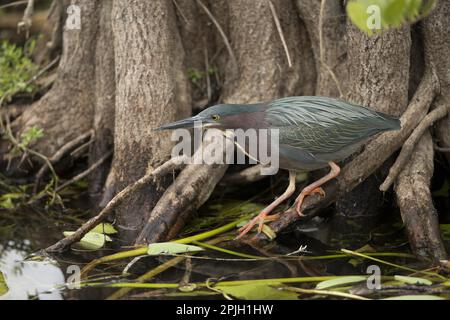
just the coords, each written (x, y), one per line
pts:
(378, 78)
(151, 89)
(67, 110)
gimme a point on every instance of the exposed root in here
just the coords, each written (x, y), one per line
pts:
(190, 190)
(77, 178)
(58, 156)
(408, 147)
(416, 204)
(166, 168)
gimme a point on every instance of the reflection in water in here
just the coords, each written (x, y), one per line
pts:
(28, 279)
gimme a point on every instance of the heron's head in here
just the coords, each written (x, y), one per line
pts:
(220, 116)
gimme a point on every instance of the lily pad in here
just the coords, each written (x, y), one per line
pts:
(104, 228)
(92, 240)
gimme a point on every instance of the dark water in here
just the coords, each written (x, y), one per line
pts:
(29, 275)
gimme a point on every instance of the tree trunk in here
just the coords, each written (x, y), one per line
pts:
(151, 89)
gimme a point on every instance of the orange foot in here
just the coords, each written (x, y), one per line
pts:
(259, 219)
(305, 192)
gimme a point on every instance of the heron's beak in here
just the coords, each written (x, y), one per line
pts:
(185, 123)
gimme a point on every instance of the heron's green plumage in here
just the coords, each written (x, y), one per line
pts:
(321, 125)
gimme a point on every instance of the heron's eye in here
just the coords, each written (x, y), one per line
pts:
(215, 117)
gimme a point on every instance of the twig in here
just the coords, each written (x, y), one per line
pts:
(207, 76)
(13, 140)
(408, 147)
(79, 151)
(59, 155)
(280, 32)
(13, 4)
(166, 168)
(321, 49)
(441, 149)
(27, 19)
(85, 173)
(181, 12)
(222, 33)
(76, 178)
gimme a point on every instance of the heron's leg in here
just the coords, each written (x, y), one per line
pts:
(315, 187)
(264, 215)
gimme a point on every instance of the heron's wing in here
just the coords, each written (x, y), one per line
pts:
(324, 139)
(322, 125)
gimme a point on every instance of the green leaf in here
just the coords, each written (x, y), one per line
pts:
(164, 248)
(91, 241)
(104, 228)
(6, 200)
(3, 287)
(30, 135)
(386, 13)
(413, 280)
(339, 281)
(257, 292)
(415, 297)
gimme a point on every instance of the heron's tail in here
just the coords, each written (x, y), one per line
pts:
(390, 122)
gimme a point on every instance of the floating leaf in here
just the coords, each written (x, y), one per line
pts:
(257, 292)
(339, 281)
(162, 248)
(91, 241)
(3, 286)
(104, 228)
(415, 297)
(413, 280)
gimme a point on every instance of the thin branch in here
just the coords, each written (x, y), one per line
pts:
(222, 33)
(27, 19)
(280, 32)
(7, 130)
(322, 51)
(13, 4)
(59, 155)
(207, 75)
(408, 147)
(181, 12)
(85, 173)
(164, 169)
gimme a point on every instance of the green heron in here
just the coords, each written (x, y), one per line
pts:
(314, 133)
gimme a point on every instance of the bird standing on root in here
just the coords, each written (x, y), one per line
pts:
(314, 132)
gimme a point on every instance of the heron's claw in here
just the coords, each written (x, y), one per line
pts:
(302, 196)
(260, 219)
